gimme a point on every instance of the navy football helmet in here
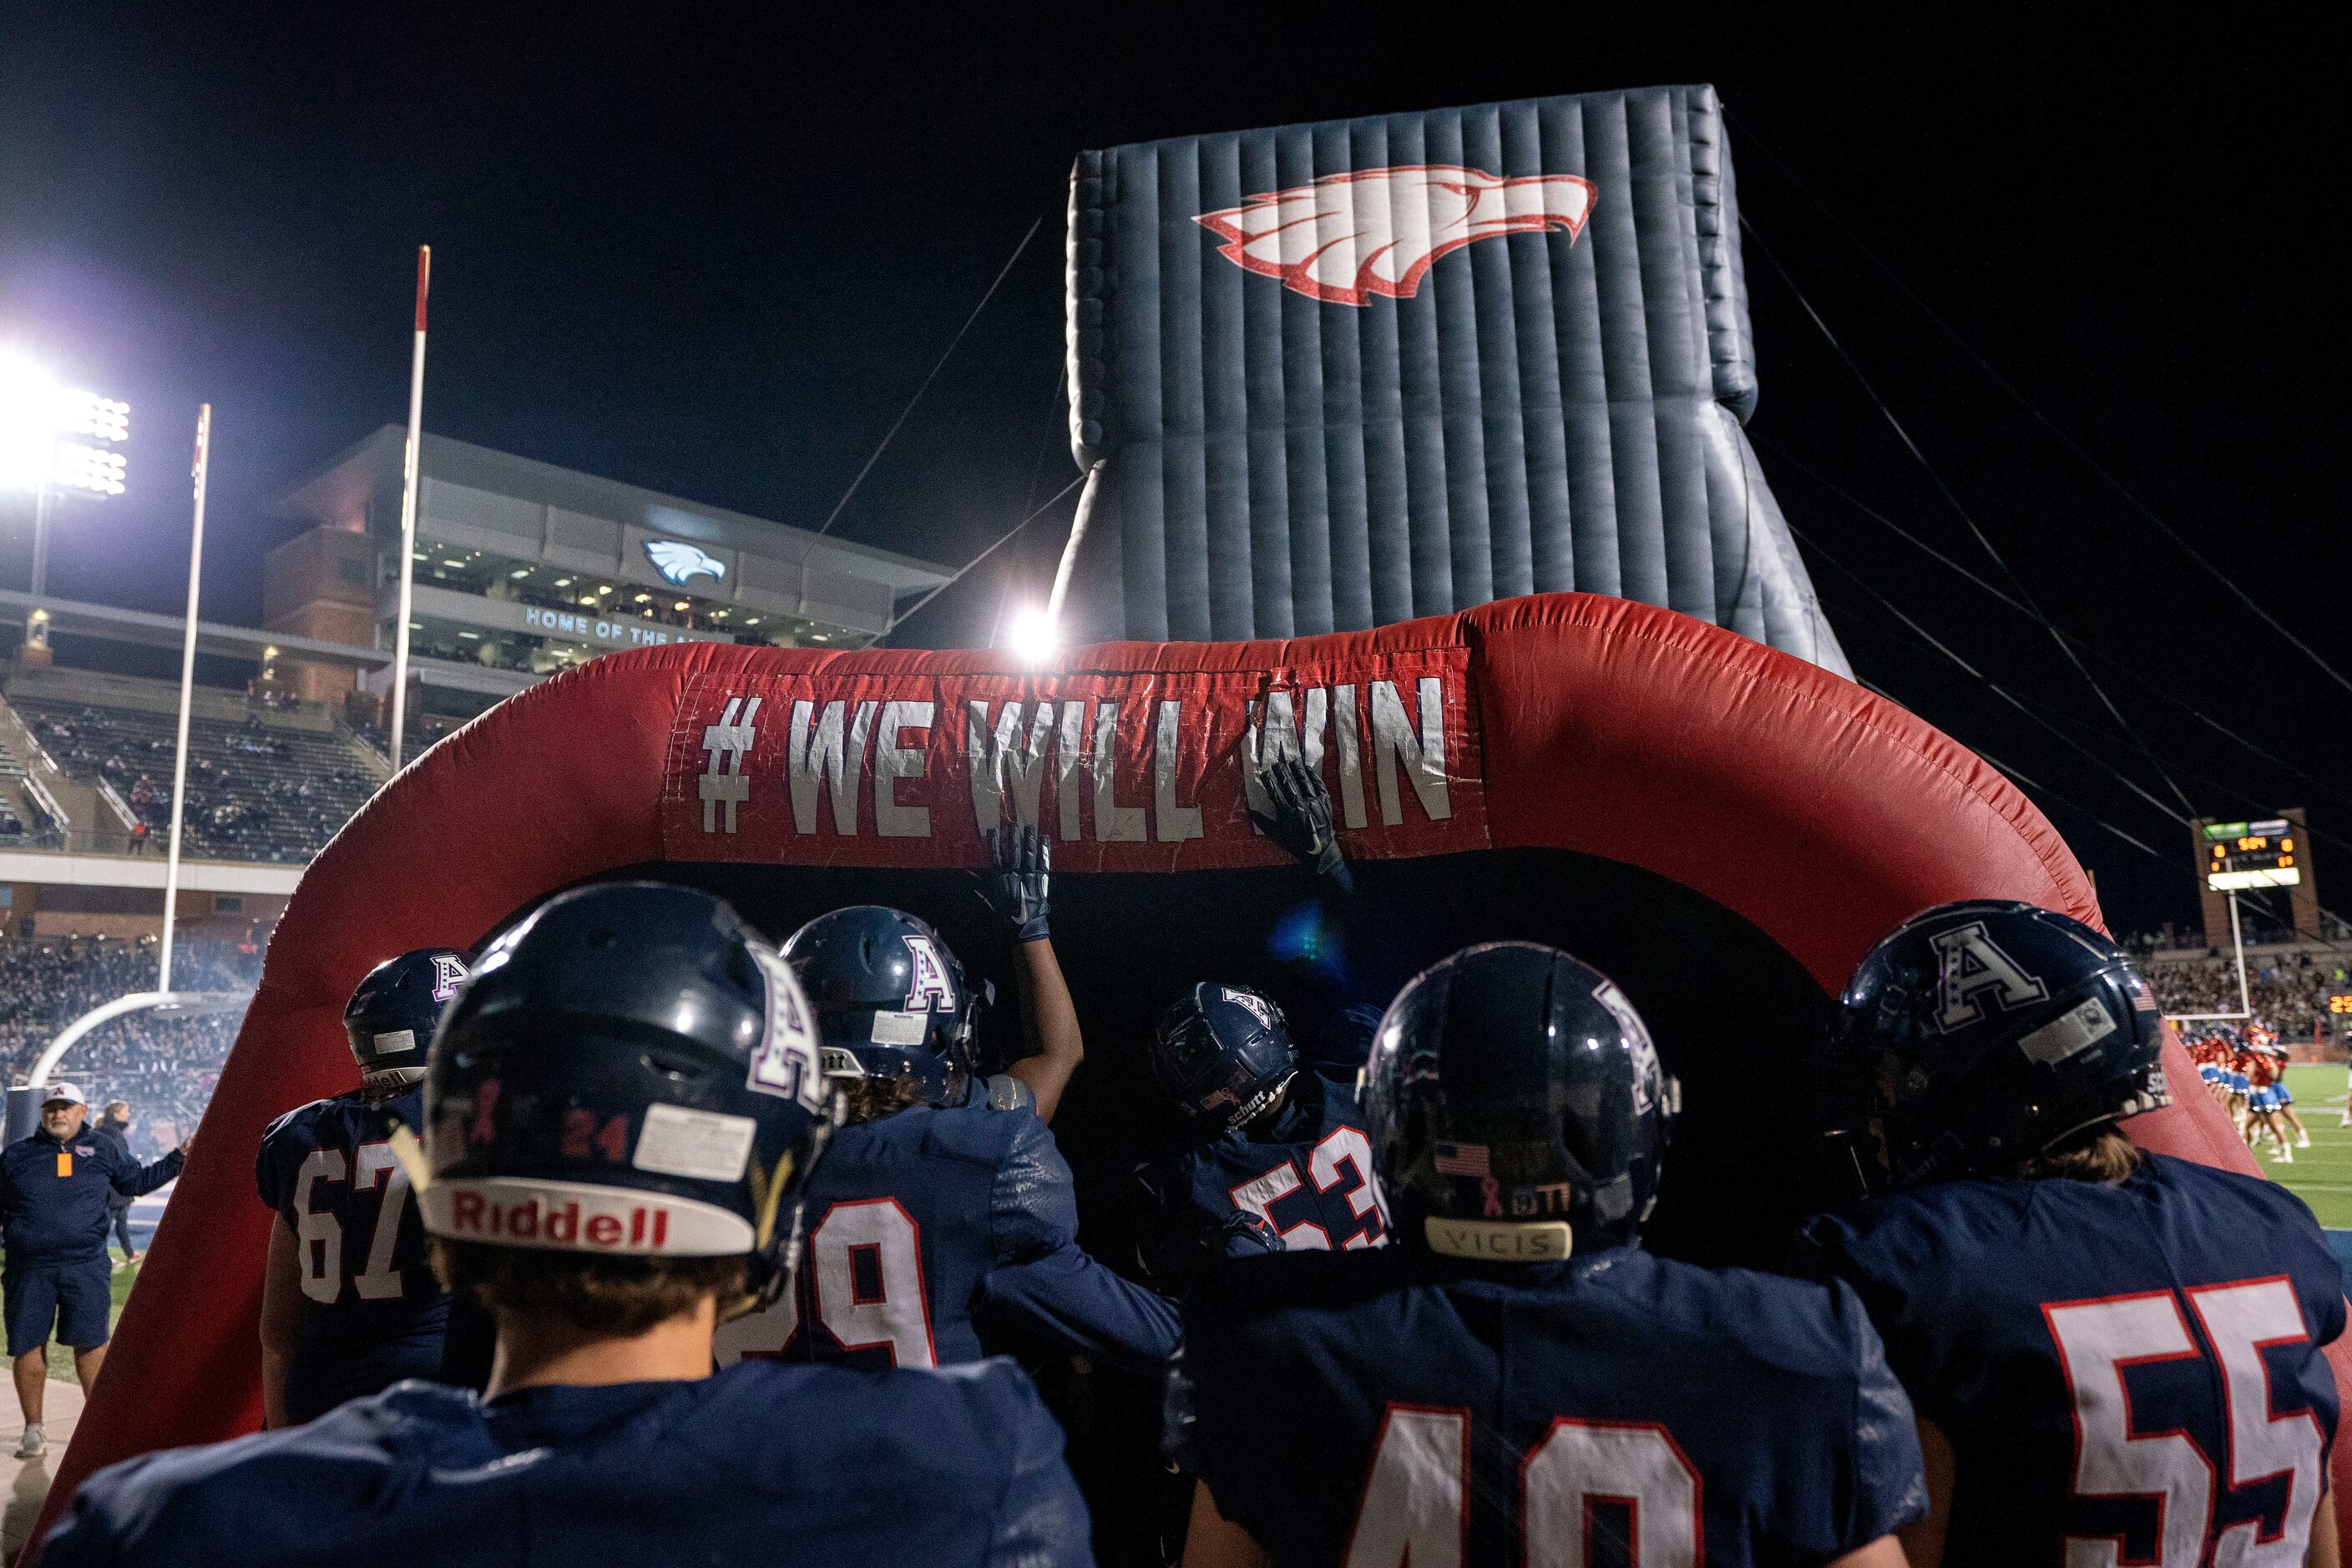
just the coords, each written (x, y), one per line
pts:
(1516, 1108)
(1981, 1033)
(891, 1000)
(392, 1014)
(1223, 1053)
(631, 1072)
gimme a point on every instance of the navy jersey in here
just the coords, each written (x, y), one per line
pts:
(373, 1312)
(1395, 1406)
(759, 1464)
(2136, 1362)
(921, 1223)
(1309, 1176)
(57, 1197)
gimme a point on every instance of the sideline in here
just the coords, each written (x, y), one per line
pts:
(26, 1481)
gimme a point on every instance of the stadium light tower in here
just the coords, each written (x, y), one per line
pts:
(46, 435)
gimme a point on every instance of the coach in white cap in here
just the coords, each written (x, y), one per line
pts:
(55, 1188)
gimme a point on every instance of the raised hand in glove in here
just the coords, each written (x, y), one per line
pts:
(1023, 863)
(1301, 819)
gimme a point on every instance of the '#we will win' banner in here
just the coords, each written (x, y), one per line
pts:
(1124, 771)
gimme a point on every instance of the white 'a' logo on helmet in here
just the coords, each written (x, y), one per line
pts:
(448, 974)
(1250, 1002)
(1647, 1073)
(1969, 965)
(929, 989)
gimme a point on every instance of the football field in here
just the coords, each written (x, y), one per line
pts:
(2321, 1174)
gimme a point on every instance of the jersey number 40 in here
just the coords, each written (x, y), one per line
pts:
(2097, 1340)
(1416, 1505)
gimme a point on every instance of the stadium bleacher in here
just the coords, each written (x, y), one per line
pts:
(2289, 986)
(164, 1066)
(258, 790)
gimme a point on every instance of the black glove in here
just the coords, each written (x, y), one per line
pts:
(1301, 822)
(1015, 888)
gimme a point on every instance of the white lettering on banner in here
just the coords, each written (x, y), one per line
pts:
(1351, 764)
(1274, 734)
(1001, 761)
(1423, 760)
(1114, 823)
(1171, 821)
(893, 761)
(1066, 788)
(1015, 749)
(728, 742)
(815, 763)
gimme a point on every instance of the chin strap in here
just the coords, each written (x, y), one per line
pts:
(1265, 1100)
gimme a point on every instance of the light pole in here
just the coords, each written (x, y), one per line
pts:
(187, 700)
(411, 462)
(38, 423)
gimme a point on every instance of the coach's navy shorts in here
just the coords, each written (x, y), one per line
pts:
(76, 1297)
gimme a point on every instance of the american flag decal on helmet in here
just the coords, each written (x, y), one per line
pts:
(1463, 1160)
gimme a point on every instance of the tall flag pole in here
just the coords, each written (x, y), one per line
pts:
(408, 509)
(187, 699)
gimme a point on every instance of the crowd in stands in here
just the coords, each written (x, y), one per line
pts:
(166, 1066)
(255, 791)
(2289, 990)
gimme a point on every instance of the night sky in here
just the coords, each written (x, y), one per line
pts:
(713, 250)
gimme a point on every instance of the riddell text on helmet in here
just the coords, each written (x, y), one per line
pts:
(477, 1215)
(576, 1216)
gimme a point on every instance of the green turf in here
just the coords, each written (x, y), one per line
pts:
(60, 1358)
(2321, 1174)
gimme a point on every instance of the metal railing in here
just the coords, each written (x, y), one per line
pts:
(120, 841)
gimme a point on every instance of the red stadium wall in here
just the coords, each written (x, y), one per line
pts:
(1796, 799)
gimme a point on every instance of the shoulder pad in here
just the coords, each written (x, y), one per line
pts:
(1006, 1092)
(300, 1117)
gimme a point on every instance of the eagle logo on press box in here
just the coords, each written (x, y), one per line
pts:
(1346, 237)
(677, 562)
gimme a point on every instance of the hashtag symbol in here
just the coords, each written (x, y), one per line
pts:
(727, 741)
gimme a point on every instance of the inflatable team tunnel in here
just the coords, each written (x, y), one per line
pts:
(1724, 828)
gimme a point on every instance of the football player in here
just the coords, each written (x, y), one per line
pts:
(942, 1200)
(2115, 1355)
(1280, 1144)
(1517, 1380)
(621, 1116)
(349, 1304)
(1016, 887)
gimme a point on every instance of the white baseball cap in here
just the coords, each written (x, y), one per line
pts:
(63, 1092)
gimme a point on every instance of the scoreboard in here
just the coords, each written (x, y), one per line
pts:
(2252, 854)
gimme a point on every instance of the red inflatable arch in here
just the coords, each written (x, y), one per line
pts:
(1816, 812)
